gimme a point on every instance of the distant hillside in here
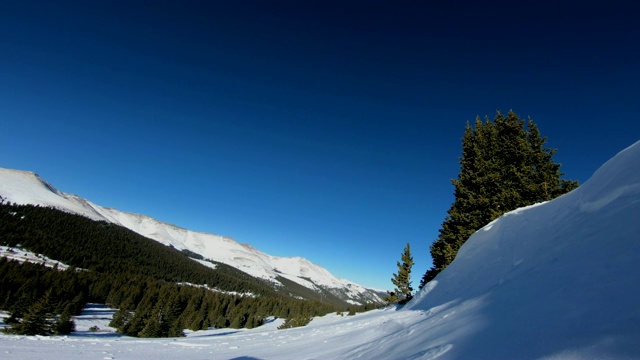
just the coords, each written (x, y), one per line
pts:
(108, 248)
(24, 187)
(108, 263)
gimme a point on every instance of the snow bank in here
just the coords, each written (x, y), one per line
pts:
(553, 279)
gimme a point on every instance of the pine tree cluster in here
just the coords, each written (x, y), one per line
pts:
(40, 300)
(504, 165)
(140, 277)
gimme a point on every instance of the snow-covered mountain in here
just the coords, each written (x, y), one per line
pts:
(557, 280)
(24, 187)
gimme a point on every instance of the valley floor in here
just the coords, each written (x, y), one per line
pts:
(324, 338)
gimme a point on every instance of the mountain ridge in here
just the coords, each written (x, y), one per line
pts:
(27, 187)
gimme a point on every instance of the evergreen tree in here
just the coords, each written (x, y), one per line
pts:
(38, 320)
(504, 166)
(64, 324)
(391, 298)
(121, 318)
(152, 328)
(403, 291)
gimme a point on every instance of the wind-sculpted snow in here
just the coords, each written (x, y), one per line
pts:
(24, 187)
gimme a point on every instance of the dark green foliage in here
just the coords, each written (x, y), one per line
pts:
(296, 321)
(166, 309)
(120, 318)
(40, 320)
(391, 298)
(64, 324)
(191, 254)
(107, 248)
(403, 291)
(504, 166)
(34, 295)
(129, 272)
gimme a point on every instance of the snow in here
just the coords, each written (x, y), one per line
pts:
(23, 187)
(232, 293)
(205, 263)
(557, 280)
(21, 255)
(96, 316)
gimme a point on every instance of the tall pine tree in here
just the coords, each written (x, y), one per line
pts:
(39, 319)
(504, 165)
(403, 291)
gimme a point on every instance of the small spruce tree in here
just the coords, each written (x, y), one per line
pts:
(64, 324)
(403, 291)
(39, 319)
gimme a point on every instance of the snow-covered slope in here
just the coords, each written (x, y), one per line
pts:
(557, 280)
(23, 187)
(22, 255)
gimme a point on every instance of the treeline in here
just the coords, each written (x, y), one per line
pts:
(147, 307)
(138, 276)
(165, 309)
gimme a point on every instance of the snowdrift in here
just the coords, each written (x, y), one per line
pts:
(553, 280)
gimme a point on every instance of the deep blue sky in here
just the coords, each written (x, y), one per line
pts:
(322, 129)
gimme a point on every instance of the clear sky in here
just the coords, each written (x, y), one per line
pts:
(322, 129)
